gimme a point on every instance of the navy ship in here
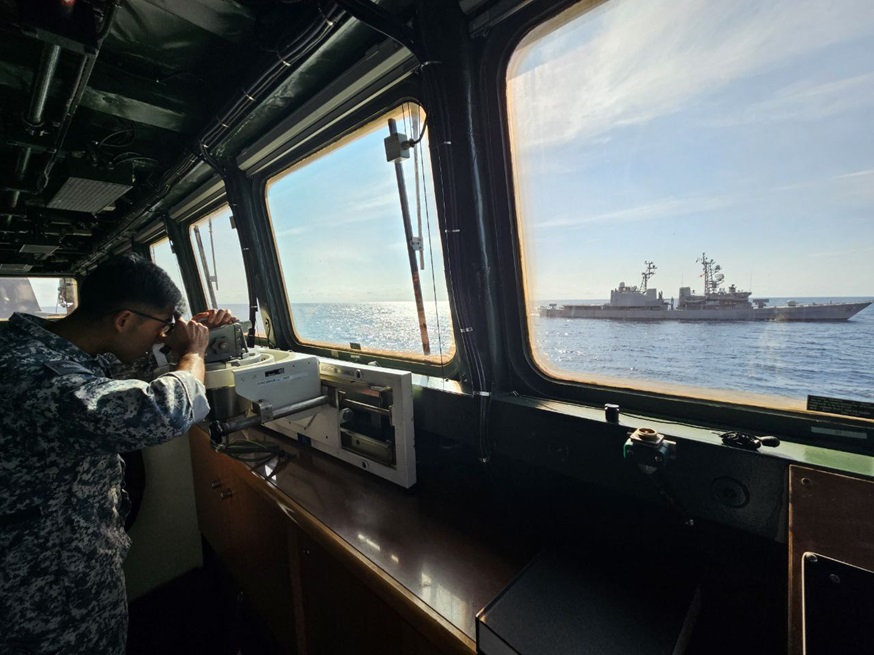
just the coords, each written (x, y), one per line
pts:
(642, 303)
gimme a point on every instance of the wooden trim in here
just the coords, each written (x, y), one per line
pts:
(293, 539)
(435, 628)
(832, 515)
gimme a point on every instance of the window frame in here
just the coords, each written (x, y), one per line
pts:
(30, 278)
(185, 223)
(297, 151)
(186, 290)
(526, 376)
(178, 223)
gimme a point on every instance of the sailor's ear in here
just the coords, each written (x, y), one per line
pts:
(122, 319)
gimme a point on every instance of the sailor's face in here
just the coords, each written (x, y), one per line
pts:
(147, 326)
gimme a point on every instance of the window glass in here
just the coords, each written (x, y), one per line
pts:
(163, 256)
(684, 170)
(220, 264)
(43, 296)
(345, 256)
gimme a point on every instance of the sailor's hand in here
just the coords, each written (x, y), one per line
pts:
(187, 337)
(215, 317)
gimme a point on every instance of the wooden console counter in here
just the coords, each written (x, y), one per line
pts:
(370, 565)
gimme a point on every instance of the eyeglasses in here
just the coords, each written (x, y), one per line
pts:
(169, 323)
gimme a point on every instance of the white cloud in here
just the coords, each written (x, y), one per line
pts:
(848, 252)
(293, 231)
(857, 186)
(353, 203)
(321, 259)
(368, 209)
(866, 173)
(651, 58)
(806, 101)
(661, 208)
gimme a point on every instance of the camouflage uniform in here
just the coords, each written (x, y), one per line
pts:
(62, 509)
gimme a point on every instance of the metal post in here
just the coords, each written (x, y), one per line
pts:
(205, 265)
(43, 82)
(408, 231)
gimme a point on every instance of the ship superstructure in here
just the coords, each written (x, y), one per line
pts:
(715, 304)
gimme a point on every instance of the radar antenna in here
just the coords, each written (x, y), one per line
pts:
(712, 277)
(647, 274)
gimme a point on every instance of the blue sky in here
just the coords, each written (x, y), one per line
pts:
(658, 130)
(338, 224)
(642, 130)
(338, 227)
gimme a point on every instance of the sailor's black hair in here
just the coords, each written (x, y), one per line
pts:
(125, 280)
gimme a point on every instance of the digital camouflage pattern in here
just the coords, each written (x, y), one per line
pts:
(62, 508)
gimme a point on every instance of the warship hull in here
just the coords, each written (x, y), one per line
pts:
(812, 312)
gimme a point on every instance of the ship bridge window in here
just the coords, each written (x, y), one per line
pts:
(42, 296)
(717, 159)
(162, 254)
(358, 274)
(220, 264)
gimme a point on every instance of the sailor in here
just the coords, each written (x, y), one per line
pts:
(66, 418)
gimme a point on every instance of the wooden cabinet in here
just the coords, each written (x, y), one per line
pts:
(341, 614)
(318, 595)
(258, 559)
(214, 483)
(247, 532)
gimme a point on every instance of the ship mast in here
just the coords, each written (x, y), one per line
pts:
(712, 277)
(647, 274)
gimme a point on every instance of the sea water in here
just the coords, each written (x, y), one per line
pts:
(786, 359)
(791, 359)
